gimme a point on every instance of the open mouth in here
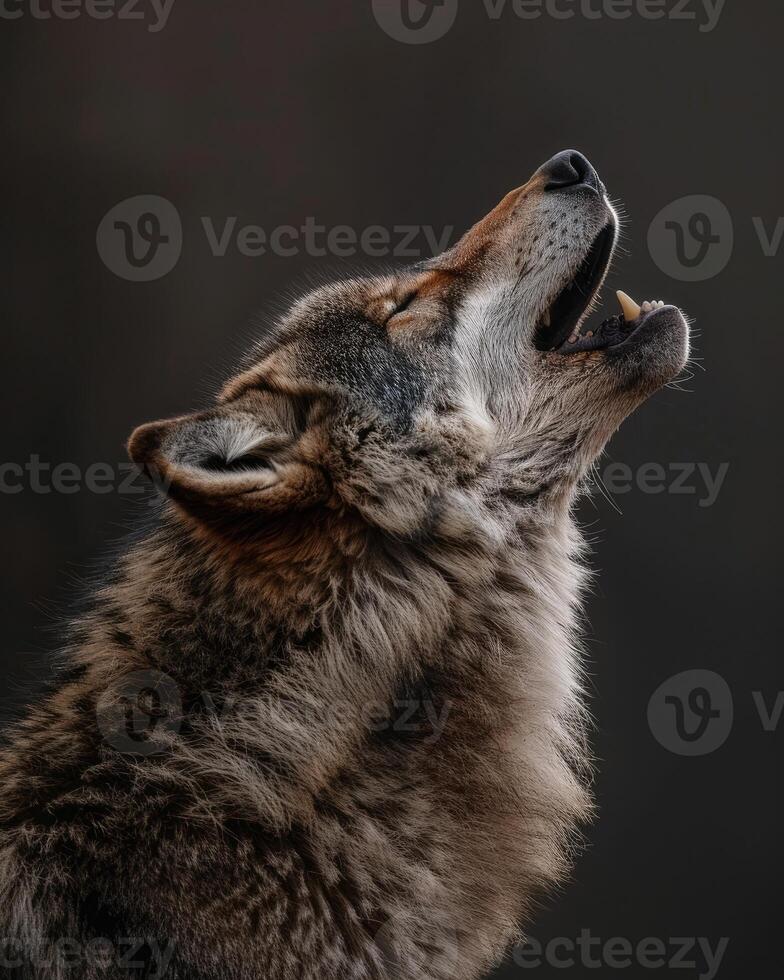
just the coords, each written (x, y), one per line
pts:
(565, 326)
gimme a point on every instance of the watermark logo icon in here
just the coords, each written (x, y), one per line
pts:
(701, 231)
(140, 713)
(415, 21)
(691, 714)
(692, 239)
(140, 239)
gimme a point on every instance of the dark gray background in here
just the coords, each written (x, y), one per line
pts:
(274, 112)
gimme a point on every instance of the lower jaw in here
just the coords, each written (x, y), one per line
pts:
(613, 332)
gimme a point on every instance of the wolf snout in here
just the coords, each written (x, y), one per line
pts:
(570, 168)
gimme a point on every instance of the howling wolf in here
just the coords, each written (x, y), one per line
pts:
(326, 719)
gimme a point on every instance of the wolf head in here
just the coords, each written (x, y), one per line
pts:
(378, 396)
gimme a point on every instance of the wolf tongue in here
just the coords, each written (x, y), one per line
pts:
(631, 310)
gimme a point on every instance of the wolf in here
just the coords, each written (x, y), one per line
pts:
(326, 718)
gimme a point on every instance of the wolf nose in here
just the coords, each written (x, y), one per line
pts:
(570, 169)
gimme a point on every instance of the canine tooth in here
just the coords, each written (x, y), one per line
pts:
(631, 310)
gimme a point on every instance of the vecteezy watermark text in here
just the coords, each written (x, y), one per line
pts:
(141, 238)
(705, 13)
(699, 480)
(69, 956)
(41, 477)
(424, 21)
(142, 714)
(155, 13)
(590, 952)
(317, 240)
(702, 482)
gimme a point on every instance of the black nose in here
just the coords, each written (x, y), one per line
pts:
(570, 169)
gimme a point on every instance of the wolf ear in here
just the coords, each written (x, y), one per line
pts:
(223, 462)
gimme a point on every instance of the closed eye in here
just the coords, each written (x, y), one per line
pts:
(404, 304)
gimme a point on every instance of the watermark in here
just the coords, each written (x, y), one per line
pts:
(699, 954)
(770, 240)
(693, 239)
(415, 21)
(700, 482)
(318, 241)
(704, 13)
(425, 21)
(142, 713)
(692, 713)
(154, 13)
(71, 956)
(141, 239)
(43, 477)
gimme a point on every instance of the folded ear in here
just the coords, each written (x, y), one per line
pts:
(223, 462)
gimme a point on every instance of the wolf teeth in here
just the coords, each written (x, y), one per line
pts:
(631, 310)
(649, 305)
